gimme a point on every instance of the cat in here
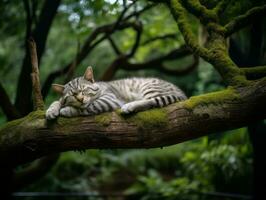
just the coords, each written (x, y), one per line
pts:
(84, 96)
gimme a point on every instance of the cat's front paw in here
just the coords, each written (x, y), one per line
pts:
(68, 112)
(128, 108)
(52, 113)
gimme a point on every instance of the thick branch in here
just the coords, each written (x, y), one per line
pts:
(179, 15)
(243, 20)
(215, 51)
(31, 137)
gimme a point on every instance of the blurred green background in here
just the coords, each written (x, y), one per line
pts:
(193, 170)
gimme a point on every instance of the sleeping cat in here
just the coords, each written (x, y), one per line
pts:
(84, 96)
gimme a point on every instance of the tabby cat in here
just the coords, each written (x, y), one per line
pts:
(84, 96)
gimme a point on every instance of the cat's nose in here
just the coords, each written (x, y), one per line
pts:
(80, 97)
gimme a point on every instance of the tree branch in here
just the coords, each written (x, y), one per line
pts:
(160, 37)
(243, 20)
(36, 86)
(221, 6)
(179, 15)
(216, 49)
(122, 62)
(200, 11)
(23, 101)
(9, 110)
(255, 72)
(160, 66)
(138, 29)
(28, 18)
(122, 14)
(114, 46)
(31, 137)
(137, 13)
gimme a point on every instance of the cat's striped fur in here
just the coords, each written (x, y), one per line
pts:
(83, 96)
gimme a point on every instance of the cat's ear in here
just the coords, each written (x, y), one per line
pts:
(89, 74)
(58, 88)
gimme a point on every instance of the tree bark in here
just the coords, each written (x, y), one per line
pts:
(31, 137)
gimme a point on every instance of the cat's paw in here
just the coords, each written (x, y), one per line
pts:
(128, 108)
(52, 113)
(68, 112)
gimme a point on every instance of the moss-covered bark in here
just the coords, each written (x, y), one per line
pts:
(215, 50)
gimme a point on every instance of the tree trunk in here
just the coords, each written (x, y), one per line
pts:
(254, 57)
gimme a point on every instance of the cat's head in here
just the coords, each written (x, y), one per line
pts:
(79, 92)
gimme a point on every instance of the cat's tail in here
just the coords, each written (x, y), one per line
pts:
(168, 99)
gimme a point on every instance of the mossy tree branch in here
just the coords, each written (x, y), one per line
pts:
(243, 20)
(200, 11)
(255, 72)
(31, 137)
(220, 7)
(215, 51)
(179, 14)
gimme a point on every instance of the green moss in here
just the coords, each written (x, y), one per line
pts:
(66, 120)
(148, 119)
(195, 7)
(35, 115)
(214, 97)
(11, 124)
(38, 114)
(104, 119)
